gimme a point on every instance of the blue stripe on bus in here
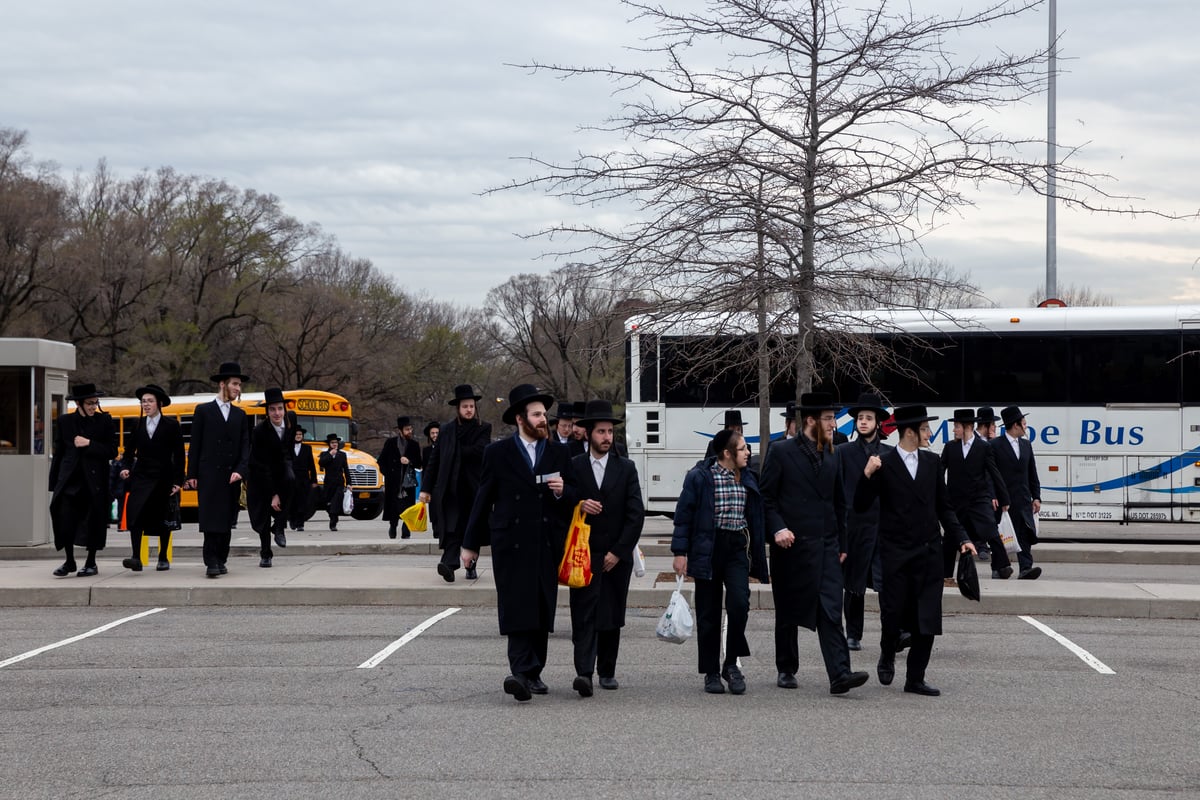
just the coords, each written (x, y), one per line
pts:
(1142, 476)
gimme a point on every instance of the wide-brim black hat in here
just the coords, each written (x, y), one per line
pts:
(430, 426)
(964, 416)
(968, 577)
(985, 415)
(333, 437)
(271, 396)
(299, 429)
(1011, 415)
(160, 393)
(522, 396)
(910, 415)
(869, 401)
(598, 411)
(789, 411)
(815, 403)
(83, 391)
(578, 408)
(230, 369)
(464, 391)
(733, 417)
(403, 422)
(566, 411)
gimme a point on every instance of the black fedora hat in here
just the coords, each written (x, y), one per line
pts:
(566, 411)
(598, 411)
(333, 437)
(521, 396)
(272, 396)
(432, 426)
(869, 401)
(160, 393)
(464, 391)
(965, 416)
(910, 415)
(1011, 415)
(83, 391)
(733, 417)
(403, 422)
(578, 408)
(985, 415)
(814, 403)
(789, 411)
(299, 429)
(230, 369)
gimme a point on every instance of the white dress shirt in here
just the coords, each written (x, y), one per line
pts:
(910, 461)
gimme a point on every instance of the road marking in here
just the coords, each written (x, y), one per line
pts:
(74, 639)
(1087, 657)
(378, 658)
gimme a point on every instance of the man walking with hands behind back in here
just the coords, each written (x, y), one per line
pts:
(271, 476)
(218, 458)
(1014, 459)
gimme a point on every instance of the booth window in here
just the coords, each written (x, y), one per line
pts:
(16, 438)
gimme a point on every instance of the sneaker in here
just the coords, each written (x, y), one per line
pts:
(737, 682)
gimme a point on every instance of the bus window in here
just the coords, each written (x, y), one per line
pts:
(1016, 369)
(1125, 368)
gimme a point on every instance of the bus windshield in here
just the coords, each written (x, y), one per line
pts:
(320, 427)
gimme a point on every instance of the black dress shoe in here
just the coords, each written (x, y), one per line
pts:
(904, 641)
(844, 683)
(392, 531)
(222, 568)
(538, 686)
(405, 535)
(885, 670)
(786, 680)
(447, 572)
(1031, 574)
(471, 574)
(1002, 574)
(163, 566)
(281, 539)
(853, 644)
(712, 684)
(134, 564)
(265, 562)
(88, 571)
(733, 676)
(212, 572)
(583, 685)
(518, 687)
(921, 687)
(65, 569)
(300, 527)
(608, 682)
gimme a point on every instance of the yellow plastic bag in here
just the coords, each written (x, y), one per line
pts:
(416, 518)
(575, 569)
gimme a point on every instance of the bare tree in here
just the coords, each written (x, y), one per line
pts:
(1074, 295)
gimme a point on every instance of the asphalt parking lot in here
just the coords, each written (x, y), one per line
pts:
(233, 702)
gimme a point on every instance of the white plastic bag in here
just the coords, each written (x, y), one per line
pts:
(348, 502)
(1008, 535)
(675, 625)
(639, 562)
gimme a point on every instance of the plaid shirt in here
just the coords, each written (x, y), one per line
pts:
(730, 499)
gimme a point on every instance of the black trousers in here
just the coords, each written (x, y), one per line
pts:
(595, 650)
(919, 650)
(731, 577)
(216, 547)
(854, 605)
(980, 526)
(527, 652)
(1025, 538)
(451, 544)
(834, 651)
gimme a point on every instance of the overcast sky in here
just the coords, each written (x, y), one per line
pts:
(383, 121)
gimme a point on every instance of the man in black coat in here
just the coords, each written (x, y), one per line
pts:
(451, 478)
(799, 488)
(218, 458)
(861, 566)
(153, 464)
(399, 461)
(910, 487)
(304, 483)
(972, 486)
(270, 477)
(336, 466)
(432, 431)
(85, 441)
(612, 499)
(523, 507)
(1014, 460)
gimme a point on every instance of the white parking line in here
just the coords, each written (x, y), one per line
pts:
(378, 658)
(74, 639)
(1087, 657)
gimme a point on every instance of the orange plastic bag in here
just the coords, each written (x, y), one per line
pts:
(575, 569)
(415, 518)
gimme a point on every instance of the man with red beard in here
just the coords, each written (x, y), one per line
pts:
(522, 509)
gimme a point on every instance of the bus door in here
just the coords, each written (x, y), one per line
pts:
(1056, 494)
(1097, 488)
(1187, 490)
(1152, 487)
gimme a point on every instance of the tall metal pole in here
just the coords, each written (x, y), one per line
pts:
(1052, 158)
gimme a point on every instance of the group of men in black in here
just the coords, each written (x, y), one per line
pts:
(826, 520)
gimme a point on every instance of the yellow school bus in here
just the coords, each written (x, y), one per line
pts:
(319, 413)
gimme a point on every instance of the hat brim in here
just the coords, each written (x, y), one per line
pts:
(96, 393)
(164, 400)
(227, 375)
(510, 414)
(882, 413)
(458, 400)
(900, 423)
(590, 420)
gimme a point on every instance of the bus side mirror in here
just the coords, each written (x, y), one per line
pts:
(353, 433)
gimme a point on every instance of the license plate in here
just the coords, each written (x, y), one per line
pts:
(364, 495)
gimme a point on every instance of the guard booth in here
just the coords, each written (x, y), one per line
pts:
(33, 391)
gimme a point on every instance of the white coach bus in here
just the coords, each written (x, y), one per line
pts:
(1112, 397)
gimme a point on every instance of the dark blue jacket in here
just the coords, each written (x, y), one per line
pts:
(695, 522)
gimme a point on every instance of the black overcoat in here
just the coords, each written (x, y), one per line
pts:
(802, 498)
(218, 448)
(910, 541)
(452, 477)
(862, 528)
(270, 473)
(304, 472)
(1020, 478)
(394, 471)
(614, 530)
(156, 464)
(526, 527)
(80, 502)
(972, 483)
(337, 478)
